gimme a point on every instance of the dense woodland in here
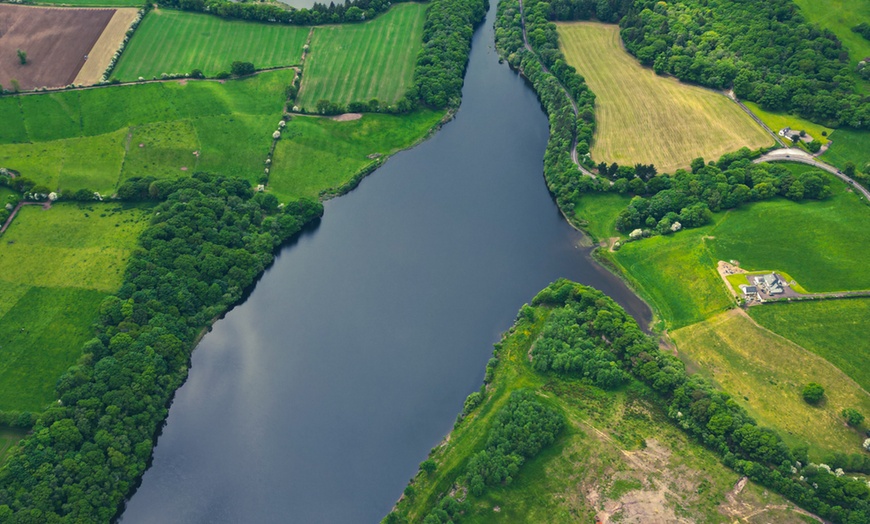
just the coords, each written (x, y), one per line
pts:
(208, 241)
(704, 412)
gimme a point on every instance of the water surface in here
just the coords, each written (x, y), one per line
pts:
(315, 400)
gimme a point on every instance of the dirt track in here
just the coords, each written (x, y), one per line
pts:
(56, 41)
(109, 42)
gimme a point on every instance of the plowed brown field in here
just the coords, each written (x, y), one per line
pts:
(56, 41)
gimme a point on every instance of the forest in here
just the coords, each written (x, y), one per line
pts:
(209, 239)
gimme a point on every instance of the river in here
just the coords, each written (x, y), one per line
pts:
(315, 400)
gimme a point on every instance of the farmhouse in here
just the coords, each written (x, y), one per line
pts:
(770, 284)
(749, 292)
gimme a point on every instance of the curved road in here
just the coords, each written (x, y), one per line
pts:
(799, 155)
(574, 157)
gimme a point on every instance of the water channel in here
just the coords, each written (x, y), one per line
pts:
(315, 400)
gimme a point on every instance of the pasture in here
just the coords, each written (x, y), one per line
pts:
(840, 16)
(97, 138)
(169, 41)
(316, 153)
(821, 244)
(644, 118)
(360, 62)
(55, 40)
(777, 121)
(849, 145)
(765, 374)
(836, 330)
(56, 266)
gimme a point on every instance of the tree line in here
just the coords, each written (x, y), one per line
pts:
(707, 414)
(347, 12)
(208, 241)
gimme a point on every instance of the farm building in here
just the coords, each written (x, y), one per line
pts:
(770, 284)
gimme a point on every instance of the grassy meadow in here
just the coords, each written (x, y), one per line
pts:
(320, 153)
(836, 330)
(56, 266)
(642, 117)
(849, 145)
(96, 138)
(8, 437)
(821, 244)
(765, 374)
(359, 62)
(632, 459)
(169, 41)
(840, 16)
(777, 121)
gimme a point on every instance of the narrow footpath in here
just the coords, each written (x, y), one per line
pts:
(574, 157)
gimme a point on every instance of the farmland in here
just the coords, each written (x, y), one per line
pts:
(849, 146)
(318, 153)
(645, 118)
(360, 62)
(171, 42)
(840, 16)
(97, 138)
(836, 330)
(102, 54)
(825, 242)
(765, 374)
(55, 56)
(56, 266)
(777, 121)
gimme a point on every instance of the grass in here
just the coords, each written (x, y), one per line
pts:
(91, 3)
(765, 373)
(597, 214)
(169, 41)
(318, 153)
(642, 117)
(56, 266)
(777, 121)
(359, 62)
(820, 244)
(617, 449)
(8, 437)
(840, 16)
(833, 329)
(90, 139)
(849, 146)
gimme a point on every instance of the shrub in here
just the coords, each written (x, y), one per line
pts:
(197, 73)
(813, 393)
(242, 68)
(853, 417)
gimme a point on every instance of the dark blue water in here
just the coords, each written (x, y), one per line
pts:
(315, 400)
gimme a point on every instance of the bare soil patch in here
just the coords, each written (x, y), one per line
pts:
(109, 41)
(56, 41)
(346, 117)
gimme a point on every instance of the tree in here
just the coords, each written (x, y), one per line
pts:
(849, 169)
(197, 73)
(853, 417)
(242, 68)
(814, 146)
(428, 466)
(22, 57)
(813, 393)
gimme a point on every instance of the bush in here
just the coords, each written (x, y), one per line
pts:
(813, 393)
(853, 417)
(242, 68)
(197, 73)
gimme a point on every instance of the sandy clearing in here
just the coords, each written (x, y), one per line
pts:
(110, 40)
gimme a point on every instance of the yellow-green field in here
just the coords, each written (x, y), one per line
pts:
(56, 266)
(777, 121)
(642, 117)
(765, 373)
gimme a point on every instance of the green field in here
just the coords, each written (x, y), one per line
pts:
(833, 329)
(359, 62)
(56, 266)
(90, 3)
(642, 117)
(618, 451)
(172, 42)
(777, 121)
(8, 437)
(821, 244)
(765, 374)
(840, 16)
(320, 153)
(849, 146)
(96, 138)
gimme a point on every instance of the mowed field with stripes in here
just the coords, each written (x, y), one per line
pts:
(359, 62)
(178, 42)
(646, 118)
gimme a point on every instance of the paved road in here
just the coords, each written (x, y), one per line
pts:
(799, 155)
(574, 156)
